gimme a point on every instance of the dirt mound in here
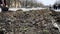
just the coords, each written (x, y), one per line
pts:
(29, 22)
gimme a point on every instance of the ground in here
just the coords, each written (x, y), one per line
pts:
(29, 22)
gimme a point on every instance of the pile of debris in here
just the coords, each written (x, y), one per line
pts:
(29, 22)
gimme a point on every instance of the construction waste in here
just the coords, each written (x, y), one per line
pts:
(28, 22)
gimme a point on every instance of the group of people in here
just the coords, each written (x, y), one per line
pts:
(56, 6)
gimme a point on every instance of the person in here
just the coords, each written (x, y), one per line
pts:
(54, 6)
(58, 6)
(3, 5)
(0, 2)
(3, 2)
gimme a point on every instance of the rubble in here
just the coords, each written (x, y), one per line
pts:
(29, 22)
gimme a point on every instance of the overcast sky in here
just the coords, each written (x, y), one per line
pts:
(47, 2)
